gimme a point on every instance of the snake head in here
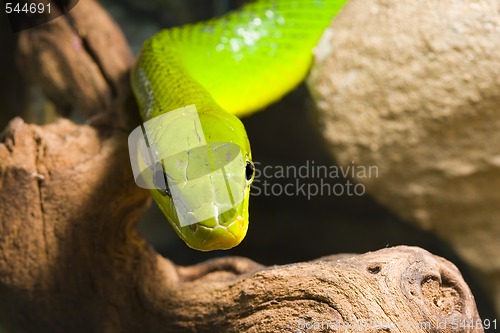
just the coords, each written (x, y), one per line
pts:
(199, 168)
(204, 194)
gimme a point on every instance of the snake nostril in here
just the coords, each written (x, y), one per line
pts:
(228, 217)
(193, 227)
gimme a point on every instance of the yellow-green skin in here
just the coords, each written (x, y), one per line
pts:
(228, 67)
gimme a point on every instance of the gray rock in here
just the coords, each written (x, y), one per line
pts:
(413, 88)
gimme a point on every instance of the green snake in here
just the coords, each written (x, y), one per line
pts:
(210, 73)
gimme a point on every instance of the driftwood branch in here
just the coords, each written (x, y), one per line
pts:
(80, 60)
(72, 261)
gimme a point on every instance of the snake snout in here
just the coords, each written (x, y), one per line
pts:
(223, 232)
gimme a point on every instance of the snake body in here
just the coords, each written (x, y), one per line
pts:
(226, 67)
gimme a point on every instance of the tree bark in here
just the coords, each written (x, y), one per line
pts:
(71, 259)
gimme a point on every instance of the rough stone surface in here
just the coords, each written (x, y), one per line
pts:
(413, 88)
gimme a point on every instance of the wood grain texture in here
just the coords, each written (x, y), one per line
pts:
(79, 60)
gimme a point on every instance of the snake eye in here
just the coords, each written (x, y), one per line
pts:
(249, 170)
(160, 180)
